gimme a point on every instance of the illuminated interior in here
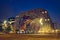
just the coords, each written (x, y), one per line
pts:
(41, 27)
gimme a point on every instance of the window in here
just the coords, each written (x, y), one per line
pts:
(48, 19)
(45, 19)
(45, 11)
(17, 16)
(42, 12)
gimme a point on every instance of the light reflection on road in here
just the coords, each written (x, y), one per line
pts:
(29, 37)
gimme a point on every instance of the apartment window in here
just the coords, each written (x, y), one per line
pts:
(42, 12)
(45, 11)
(48, 19)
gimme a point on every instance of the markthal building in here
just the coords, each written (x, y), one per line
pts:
(34, 21)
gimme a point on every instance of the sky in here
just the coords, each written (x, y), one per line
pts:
(10, 8)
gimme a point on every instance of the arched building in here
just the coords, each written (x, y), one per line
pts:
(36, 19)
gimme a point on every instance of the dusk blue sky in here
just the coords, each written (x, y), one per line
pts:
(10, 8)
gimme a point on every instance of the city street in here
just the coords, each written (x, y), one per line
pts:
(29, 37)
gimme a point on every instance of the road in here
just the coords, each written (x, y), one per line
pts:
(29, 37)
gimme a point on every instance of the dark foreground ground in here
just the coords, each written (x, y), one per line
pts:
(29, 37)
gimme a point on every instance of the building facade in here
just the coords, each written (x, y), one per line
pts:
(34, 21)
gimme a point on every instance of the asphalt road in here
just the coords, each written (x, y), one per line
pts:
(29, 37)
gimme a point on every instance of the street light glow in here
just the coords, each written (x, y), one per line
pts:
(41, 21)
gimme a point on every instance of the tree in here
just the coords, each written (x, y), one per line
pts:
(1, 29)
(8, 29)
